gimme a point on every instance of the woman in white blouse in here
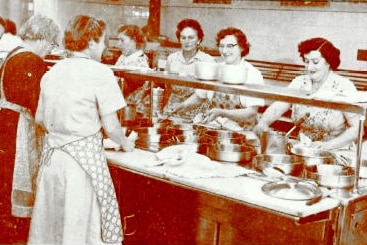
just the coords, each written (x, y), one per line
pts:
(241, 111)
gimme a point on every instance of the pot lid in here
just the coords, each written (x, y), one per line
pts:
(296, 191)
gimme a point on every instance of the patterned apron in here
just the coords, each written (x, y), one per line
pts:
(231, 102)
(89, 153)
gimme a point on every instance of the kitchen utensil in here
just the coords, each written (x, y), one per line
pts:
(296, 191)
(231, 153)
(288, 164)
(331, 175)
(225, 136)
(298, 123)
(312, 156)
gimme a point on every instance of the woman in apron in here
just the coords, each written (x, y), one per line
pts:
(21, 74)
(75, 197)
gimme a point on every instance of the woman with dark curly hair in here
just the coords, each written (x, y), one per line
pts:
(190, 34)
(132, 43)
(326, 128)
(228, 110)
(75, 197)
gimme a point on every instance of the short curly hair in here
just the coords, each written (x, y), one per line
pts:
(330, 53)
(194, 24)
(80, 30)
(135, 33)
(240, 36)
(39, 27)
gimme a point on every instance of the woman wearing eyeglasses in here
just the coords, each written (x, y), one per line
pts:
(228, 110)
(325, 128)
(190, 35)
(19, 152)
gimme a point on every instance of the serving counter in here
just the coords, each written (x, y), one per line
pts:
(168, 208)
(160, 206)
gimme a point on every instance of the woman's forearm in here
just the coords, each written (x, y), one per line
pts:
(241, 114)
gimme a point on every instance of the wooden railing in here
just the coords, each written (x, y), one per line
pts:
(285, 72)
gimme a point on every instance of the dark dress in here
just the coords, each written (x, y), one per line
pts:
(21, 84)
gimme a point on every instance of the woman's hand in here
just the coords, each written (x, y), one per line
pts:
(173, 108)
(212, 114)
(128, 144)
(261, 127)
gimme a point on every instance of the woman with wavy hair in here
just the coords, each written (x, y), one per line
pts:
(75, 197)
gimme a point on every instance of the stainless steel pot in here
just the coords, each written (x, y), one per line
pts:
(331, 175)
(287, 164)
(185, 129)
(313, 156)
(231, 153)
(225, 136)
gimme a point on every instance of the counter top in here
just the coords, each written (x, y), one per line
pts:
(233, 184)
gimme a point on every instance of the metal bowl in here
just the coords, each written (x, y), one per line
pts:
(185, 129)
(225, 136)
(231, 153)
(288, 164)
(331, 175)
(313, 156)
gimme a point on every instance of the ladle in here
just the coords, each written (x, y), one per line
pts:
(297, 123)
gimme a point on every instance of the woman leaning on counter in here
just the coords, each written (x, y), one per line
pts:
(190, 35)
(19, 151)
(75, 197)
(241, 110)
(327, 128)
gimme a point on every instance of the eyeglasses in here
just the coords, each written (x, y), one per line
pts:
(228, 46)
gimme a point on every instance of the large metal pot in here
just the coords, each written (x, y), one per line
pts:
(288, 164)
(225, 137)
(185, 129)
(238, 153)
(153, 138)
(331, 175)
(313, 156)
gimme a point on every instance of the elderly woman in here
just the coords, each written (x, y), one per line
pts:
(20, 88)
(228, 110)
(75, 197)
(326, 128)
(190, 34)
(131, 43)
(8, 38)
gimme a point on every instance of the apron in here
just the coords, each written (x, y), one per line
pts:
(231, 102)
(89, 153)
(26, 164)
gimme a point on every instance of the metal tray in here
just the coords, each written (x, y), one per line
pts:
(296, 191)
